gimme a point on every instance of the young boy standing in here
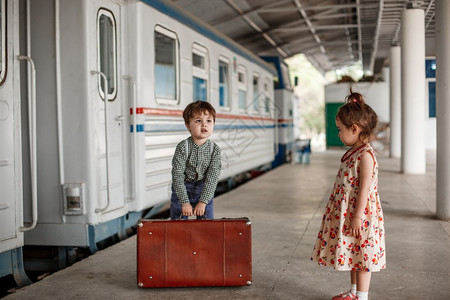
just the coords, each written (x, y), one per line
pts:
(196, 165)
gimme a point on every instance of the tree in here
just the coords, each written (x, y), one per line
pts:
(310, 91)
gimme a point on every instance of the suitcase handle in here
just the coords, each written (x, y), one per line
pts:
(202, 217)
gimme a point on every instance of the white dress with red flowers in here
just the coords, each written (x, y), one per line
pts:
(335, 246)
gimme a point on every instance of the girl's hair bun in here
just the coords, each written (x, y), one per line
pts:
(355, 99)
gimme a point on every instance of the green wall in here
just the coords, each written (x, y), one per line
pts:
(330, 125)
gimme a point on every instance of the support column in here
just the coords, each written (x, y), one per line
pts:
(395, 113)
(443, 109)
(413, 158)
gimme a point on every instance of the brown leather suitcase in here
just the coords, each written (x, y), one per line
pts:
(181, 253)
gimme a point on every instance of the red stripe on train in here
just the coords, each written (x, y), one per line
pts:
(285, 121)
(169, 112)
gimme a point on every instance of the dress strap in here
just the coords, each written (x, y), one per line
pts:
(346, 155)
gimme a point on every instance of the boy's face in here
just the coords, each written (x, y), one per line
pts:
(201, 127)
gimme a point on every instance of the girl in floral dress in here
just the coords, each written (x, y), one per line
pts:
(351, 237)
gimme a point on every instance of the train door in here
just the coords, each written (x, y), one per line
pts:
(10, 167)
(108, 105)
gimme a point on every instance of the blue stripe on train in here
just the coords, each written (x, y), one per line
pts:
(139, 128)
(286, 125)
(176, 127)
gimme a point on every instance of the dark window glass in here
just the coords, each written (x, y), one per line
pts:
(107, 52)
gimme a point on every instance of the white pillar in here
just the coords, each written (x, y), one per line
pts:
(413, 92)
(443, 109)
(395, 113)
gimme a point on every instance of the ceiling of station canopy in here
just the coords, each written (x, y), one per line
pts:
(331, 33)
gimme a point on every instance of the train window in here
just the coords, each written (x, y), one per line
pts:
(224, 82)
(2, 41)
(276, 79)
(198, 61)
(107, 58)
(256, 95)
(286, 77)
(266, 97)
(166, 65)
(200, 72)
(276, 82)
(242, 88)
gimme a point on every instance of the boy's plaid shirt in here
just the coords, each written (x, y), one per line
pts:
(197, 165)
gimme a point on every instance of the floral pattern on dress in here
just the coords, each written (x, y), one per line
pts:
(335, 247)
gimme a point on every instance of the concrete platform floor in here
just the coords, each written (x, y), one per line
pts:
(285, 206)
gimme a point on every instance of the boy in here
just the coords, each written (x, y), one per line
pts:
(196, 165)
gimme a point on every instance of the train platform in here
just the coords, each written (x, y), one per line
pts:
(285, 206)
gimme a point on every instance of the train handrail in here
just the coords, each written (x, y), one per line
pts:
(134, 143)
(32, 138)
(105, 79)
(4, 163)
(276, 131)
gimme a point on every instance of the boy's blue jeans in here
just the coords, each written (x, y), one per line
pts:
(194, 190)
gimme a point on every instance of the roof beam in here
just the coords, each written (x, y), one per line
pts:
(340, 42)
(310, 26)
(314, 7)
(309, 50)
(303, 47)
(229, 18)
(318, 16)
(429, 7)
(332, 16)
(300, 41)
(316, 28)
(257, 28)
(432, 14)
(377, 34)
(395, 39)
(349, 44)
(358, 13)
(429, 21)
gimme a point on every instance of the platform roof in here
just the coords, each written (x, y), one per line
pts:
(331, 33)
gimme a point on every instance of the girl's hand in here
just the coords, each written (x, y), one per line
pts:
(200, 209)
(186, 209)
(355, 226)
(366, 167)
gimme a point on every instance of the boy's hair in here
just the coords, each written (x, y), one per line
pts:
(356, 111)
(197, 108)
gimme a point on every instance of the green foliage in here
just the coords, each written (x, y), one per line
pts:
(310, 91)
(354, 71)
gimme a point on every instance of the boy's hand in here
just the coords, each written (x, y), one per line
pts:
(186, 209)
(200, 209)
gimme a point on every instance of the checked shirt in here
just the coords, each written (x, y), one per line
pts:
(197, 165)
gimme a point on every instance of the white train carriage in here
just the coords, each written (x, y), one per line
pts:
(103, 164)
(285, 107)
(194, 63)
(12, 226)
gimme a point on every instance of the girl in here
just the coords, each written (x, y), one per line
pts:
(351, 237)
